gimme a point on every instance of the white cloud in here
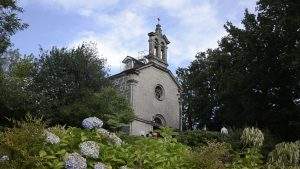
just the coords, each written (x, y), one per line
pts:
(123, 27)
(119, 40)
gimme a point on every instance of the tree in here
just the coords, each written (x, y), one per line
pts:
(253, 76)
(64, 76)
(16, 99)
(13, 97)
(10, 23)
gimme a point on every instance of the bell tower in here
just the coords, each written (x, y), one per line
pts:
(158, 47)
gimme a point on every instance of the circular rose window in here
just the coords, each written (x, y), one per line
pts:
(159, 92)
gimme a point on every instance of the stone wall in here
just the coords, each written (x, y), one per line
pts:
(140, 91)
(145, 103)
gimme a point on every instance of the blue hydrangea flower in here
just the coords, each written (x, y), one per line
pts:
(100, 166)
(89, 149)
(51, 138)
(75, 161)
(92, 122)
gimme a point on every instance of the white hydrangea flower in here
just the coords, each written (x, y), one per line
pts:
(103, 132)
(75, 161)
(100, 166)
(124, 167)
(115, 139)
(4, 158)
(92, 122)
(89, 149)
(51, 138)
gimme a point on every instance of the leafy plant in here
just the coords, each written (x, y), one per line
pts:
(252, 137)
(285, 155)
(213, 156)
(250, 158)
(22, 143)
(200, 138)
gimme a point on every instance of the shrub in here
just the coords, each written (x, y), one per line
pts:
(198, 138)
(151, 153)
(213, 156)
(249, 158)
(22, 143)
(252, 137)
(285, 155)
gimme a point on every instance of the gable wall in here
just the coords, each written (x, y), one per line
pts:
(144, 101)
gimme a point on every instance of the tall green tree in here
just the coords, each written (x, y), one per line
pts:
(15, 97)
(10, 22)
(66, 75)
(253, 76)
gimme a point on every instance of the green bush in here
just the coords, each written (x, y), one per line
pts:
(198, 138)
(252, 137)
(284, 156)
(22, 143)
(250, 158)
(213, 156)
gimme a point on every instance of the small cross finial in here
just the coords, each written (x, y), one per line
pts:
(158, 19)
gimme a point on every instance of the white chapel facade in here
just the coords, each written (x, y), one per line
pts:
(151, 88)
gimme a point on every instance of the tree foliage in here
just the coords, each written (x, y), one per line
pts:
(10, 23)
(64, 76)
(252, 78)
(15, 98)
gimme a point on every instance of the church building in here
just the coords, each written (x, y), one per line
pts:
(151, 88)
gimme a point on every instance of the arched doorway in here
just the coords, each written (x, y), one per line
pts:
(159, 121)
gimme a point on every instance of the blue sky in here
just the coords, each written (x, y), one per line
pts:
(119, 27)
